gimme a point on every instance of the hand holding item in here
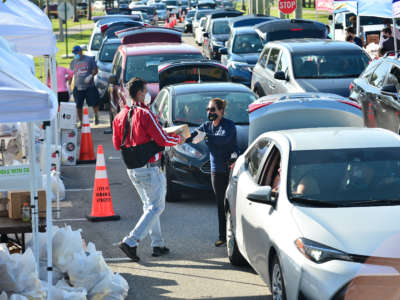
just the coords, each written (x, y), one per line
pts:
(199, 137)
(183, 140)
(88, 79)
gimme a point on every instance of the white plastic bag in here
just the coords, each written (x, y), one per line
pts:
(87, 269)
(66, 244)
(199, 137)
(62, 291)
(112, 287)
(18, 297)
(3, 296)
(55, 182)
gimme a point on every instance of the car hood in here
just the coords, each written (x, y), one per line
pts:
(221, 37)
(153, 89)
(104, 66)
(339, 86)
(370, 231)
(249, 58)
(242, 132)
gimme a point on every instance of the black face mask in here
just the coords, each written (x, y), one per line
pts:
(385, 37)
(212, 116)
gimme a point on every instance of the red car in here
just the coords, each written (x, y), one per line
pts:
(141, 52)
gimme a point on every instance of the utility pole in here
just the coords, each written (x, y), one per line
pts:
(299, 10)
(89, 10)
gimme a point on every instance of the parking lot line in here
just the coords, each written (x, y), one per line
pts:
(79, 190)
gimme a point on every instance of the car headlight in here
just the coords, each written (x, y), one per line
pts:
(319, 253)
(240, 66)
(189, 151)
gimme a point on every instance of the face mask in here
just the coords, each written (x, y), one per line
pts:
(212, 116)
(147, 99)
(385, 36)
(77, 56)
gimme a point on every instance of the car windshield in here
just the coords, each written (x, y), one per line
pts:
(190, 14)
(343, 65)
(221, 27)
(345, 177)
(191, 108)
(295, 34)
(159, 6)
(146, 66)
(365, 20)
(202, 13)
(96, 42)
(107, 52)
(171, 3)
(184, 3)
(247, 43)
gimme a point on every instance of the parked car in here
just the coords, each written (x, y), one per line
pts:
(206, 4)
(199, 31)
(187, 166)
(308, 65)
(81, 9)
(215, 37)
(99, 5)
(377, 91)
(282, 29)
(101, 20)
(227, 5)
(161, 10)
(140, 54)
(149, 10)
(249, 20)
(187, 26)
(199, 13)
(302, 110)
(53, 10)
(241, 53)
(172, 7)
(315, 212)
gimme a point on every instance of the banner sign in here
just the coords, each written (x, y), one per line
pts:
(396, 8)
(345, 6)
(325, 5)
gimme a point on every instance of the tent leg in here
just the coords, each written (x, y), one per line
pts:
(49, 217)
(34, 193)
(395, 37)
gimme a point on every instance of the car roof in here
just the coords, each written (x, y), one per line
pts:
(250, 17)
(339, 138)
(189, 88)
(285, 24)
(243, 30)
(220, 20)
(154, 48)
(317, 45)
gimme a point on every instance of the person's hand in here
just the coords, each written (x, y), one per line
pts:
(88, 79)
(182, 140)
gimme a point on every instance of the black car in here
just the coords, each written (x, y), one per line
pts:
(377, 91)
(187, 166)
(188, 21)
(215, 38)
(149, 10)
(308, 65)
(249, 20)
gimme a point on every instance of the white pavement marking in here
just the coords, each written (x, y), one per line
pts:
(117, 259)
(81, 166)
(79, 190)
(70, 220)
(114, 158)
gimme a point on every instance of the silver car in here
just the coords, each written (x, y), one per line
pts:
(315, 212)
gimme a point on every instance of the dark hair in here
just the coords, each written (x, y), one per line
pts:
(350, 30)
(135, 85)
(349, 38)
(219, 103)
(387, 30)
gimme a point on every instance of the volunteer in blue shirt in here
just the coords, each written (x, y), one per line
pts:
(220, 137)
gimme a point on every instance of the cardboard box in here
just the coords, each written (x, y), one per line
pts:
(182, 130)
(16, 200)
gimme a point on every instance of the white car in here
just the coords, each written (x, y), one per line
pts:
(95, 42)
(199, 31)
(99, 5)
(316, 212)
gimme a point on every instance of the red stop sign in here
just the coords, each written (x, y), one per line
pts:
(287, 6)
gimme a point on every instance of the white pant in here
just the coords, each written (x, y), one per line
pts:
(150, 183)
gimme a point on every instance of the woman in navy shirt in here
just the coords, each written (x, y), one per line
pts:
(220, 137)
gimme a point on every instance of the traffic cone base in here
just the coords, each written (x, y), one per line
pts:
(86, 151)
(102, 208)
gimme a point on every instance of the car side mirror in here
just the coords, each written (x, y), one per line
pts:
(112, 79)
(389, 90)
(84, 47)
(223, 51)
(205, 34)
(280, 75)
(261, 195)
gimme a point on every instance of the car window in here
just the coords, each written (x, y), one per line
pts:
(96, 42)
(115, 65)
(271, 173)
(394, 77)
(221, 28)
(159, 102)
(255, 156)
(273, 59)
(378, 77)
(283, 64)
(118, 68)
(370, 69)
(263, 57)
(247, 43)
(107, 52)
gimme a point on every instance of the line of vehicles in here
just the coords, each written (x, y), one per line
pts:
(313, 198)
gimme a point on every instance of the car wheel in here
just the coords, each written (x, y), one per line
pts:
(277, 282)
(259, 92)
(234, 255)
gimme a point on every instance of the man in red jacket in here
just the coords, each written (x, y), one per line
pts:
(149, 181)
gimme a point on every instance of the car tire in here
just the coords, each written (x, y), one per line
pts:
(234, 255)
(277, 282)
(259, 92)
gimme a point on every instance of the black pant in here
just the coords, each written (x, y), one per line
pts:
(219, 183)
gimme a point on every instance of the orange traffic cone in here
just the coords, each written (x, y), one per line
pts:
(174, 20)
(102, 208)
(166, 25)
(86, 154)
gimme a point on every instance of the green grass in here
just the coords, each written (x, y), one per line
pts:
(70, 23)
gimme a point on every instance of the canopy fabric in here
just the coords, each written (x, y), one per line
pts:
(365, 7)
(23, 97)
(26, 26)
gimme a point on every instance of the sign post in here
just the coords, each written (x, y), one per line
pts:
(287, 6)
(65, 12)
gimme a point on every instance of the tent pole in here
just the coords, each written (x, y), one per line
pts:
(358, 25)
(395, 37)
(334, 26)
(34, 192)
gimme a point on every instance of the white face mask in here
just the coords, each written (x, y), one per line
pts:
(147, 99)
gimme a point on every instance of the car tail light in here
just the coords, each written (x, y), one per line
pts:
(351, 86)
(352, 103)
(296, 29)
(254, 106)
(104, 28)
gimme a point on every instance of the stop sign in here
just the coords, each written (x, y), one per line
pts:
(287, 6)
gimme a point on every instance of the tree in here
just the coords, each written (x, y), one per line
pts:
(89, 10)
(76, 17)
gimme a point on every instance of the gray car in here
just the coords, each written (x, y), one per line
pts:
(308, 65)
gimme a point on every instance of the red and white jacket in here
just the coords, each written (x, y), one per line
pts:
(145, 128)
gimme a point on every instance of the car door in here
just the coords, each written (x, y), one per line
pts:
(377, 114)
(269, 84)
(114, 87)
(258, 73)
(283, 86)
